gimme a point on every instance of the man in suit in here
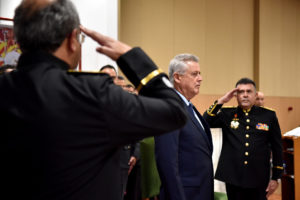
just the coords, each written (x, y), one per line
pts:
(250, 134)
(61, 131)
(184, 156)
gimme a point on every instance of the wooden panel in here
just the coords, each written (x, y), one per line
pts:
(297, 167)
(280, 47)
(228, 44)
(149, 24)
(219, 32)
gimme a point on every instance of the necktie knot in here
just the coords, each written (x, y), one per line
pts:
(190, 108)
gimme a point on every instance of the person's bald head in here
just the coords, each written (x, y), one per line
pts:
(33, 6)
(260, 99)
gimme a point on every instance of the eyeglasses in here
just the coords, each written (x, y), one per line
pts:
(81, 38)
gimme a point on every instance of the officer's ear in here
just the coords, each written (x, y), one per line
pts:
(177, 77)
(73, 42)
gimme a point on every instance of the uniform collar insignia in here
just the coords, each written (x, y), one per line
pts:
(246, 110)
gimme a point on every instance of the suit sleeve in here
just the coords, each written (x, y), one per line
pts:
(276, 147)
(166, 154)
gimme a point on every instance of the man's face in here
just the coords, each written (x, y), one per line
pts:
(188, 84)
(120, 82)
(260, 99)
(246, 95)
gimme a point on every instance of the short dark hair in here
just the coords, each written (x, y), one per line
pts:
(107, 67)
(245, 81)
(44, 28)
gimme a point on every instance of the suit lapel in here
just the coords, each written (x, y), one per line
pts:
(205, 133)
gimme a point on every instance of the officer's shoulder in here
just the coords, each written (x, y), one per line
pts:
(266, 108)
(228, 107)
(85, 73)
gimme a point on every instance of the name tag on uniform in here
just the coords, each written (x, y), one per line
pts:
(261, 126)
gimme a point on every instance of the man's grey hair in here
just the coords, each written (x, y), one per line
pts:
(179, 64)
(44, 27)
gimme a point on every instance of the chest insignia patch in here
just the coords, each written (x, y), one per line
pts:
(235, 122)
(261, 126)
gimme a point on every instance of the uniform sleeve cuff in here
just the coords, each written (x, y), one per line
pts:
(213, 109)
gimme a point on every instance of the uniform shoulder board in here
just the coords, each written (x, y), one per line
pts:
(84, 72)
(228, 106)
(268, 108)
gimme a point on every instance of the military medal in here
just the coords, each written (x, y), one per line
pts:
(261, 126)
(235, 122)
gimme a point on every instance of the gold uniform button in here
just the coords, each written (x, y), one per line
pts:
(248, 120)
(247, 144)
(247, 127)
(245, 162)
(246, 154)
(247, 135)
(246, 114)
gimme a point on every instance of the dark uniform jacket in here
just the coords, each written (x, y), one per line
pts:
(127, 151)
(249, 137)
(61, 132)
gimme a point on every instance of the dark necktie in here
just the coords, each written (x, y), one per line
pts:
(191, 111)
(201, 126)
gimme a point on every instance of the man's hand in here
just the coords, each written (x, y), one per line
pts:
(271, 187)
(226, 98)
(131, 163)
(109, 46)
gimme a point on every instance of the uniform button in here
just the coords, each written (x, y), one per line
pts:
(245, 162)
(246, 153)
(246, 114)
(248, 120)
(247, 136)
(246, 144)
(247, 127)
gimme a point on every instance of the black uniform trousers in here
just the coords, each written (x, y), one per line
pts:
(240, 193)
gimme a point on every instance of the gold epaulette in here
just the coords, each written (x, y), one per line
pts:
(228, 106)
(149, 77)
(278, 167)
(268, 108)
(84, 72)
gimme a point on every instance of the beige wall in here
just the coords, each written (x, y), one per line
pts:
(259, 39)
(222, 34)
(219, 32)
(280, 47)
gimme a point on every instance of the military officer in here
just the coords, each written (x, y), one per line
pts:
(250, 134)
(61, 131)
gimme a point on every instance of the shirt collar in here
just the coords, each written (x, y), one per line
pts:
(183, 98)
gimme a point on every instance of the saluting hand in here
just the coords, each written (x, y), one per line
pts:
(109, 46)
(226, 98)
